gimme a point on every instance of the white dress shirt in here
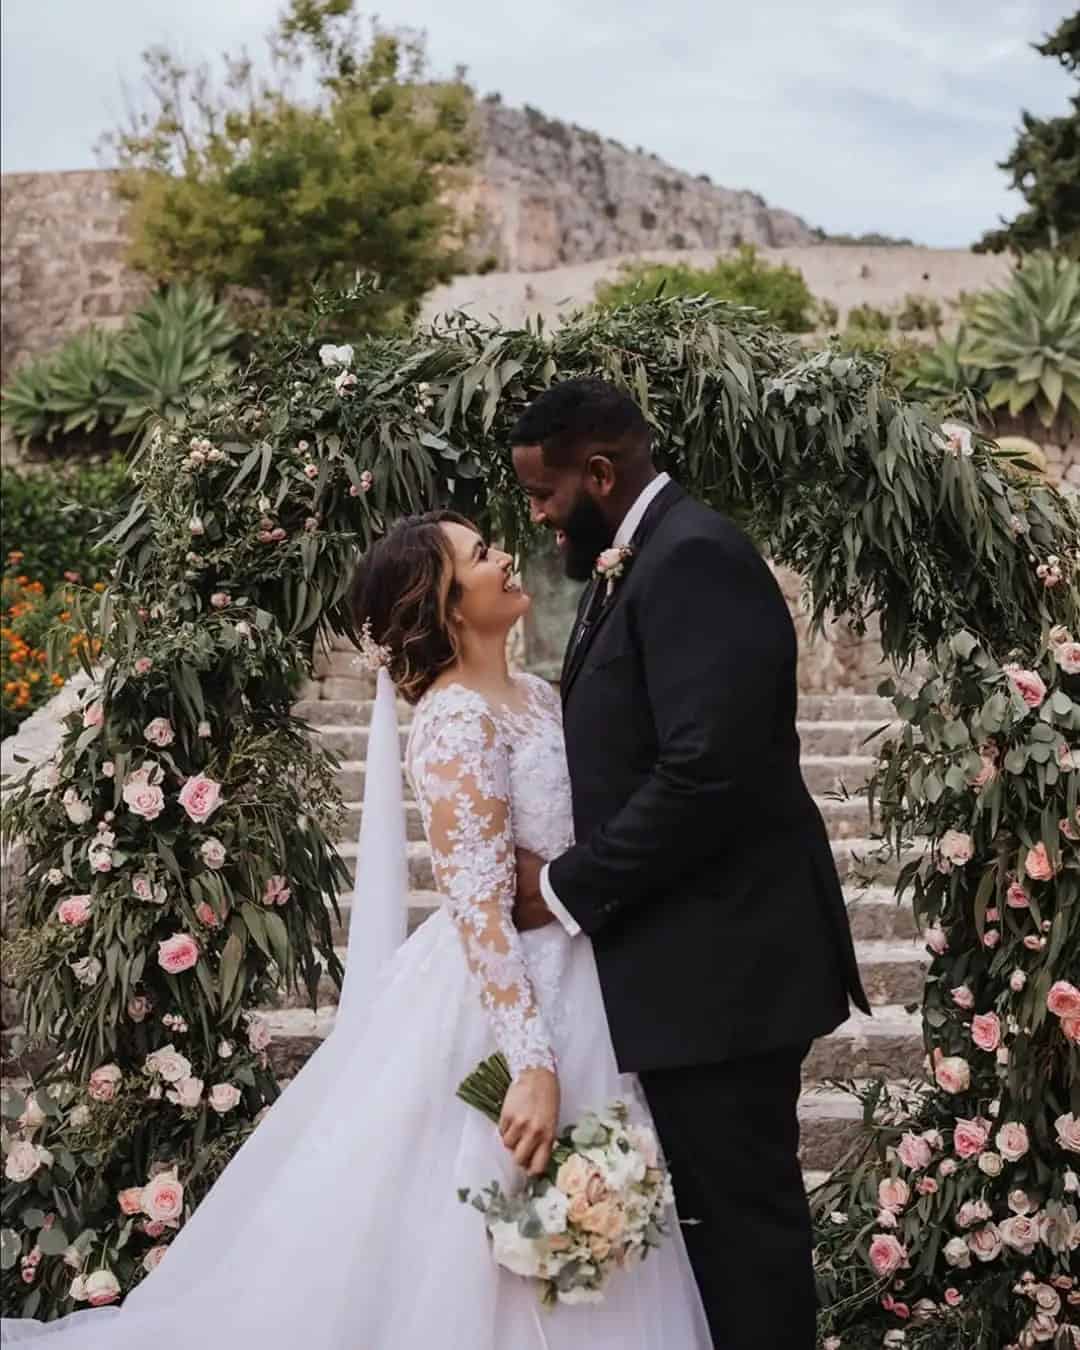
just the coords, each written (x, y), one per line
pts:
(626, 531)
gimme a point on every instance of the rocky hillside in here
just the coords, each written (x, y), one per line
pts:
(548, 194)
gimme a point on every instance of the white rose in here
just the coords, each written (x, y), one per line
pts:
(330, 355)
(991, 1164)
(956, 1253)
(24, 1160)
(1020, 1233)
(212, 852)
(224, 1097)
(54, 876)
(87, 971)
(225, 1049)
(159, 732)
(1068, 1132)
(550, 1209)
(187, 1093)
(78, 1289)
(169, 1063)
(102, 1287)
(80, 1116)
(515, 1253)
(77, 810)
(33, 1117)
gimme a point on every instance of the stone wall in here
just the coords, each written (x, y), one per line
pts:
(61, 260)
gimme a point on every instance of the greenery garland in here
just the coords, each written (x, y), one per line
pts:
(179, 848)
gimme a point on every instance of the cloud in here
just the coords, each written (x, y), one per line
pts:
(888, 116)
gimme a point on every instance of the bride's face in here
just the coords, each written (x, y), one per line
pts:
(489, 596)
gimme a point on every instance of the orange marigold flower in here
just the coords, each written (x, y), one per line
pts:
(57, 680)
(99, 586)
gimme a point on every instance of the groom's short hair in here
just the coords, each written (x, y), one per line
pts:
(577, 414)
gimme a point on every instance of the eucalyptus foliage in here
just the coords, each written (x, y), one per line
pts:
(237, 552)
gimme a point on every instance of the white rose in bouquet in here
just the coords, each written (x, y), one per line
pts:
(515, 1253)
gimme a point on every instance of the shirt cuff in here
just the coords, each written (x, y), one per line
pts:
(554, 904)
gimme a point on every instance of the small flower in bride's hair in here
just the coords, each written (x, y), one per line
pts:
(372, 655)
(611, 564)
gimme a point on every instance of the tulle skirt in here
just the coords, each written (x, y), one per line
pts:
(338, 1226)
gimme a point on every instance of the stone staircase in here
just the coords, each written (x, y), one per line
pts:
(837, 733)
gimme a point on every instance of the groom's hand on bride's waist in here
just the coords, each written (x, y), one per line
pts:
(530, 911)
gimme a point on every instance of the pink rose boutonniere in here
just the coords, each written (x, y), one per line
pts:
(611, 565)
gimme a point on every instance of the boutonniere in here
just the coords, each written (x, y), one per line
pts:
(611, 565)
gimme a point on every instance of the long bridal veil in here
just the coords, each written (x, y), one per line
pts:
(218, 1278)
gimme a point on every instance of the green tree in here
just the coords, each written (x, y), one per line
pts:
(744, 279)
(1044, 167)
(252, 185)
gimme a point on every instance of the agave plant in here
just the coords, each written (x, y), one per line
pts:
(63, 392)
(171, 343)
(945, 371)
(1025, 337)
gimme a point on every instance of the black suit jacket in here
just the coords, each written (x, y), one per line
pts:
(702, 871)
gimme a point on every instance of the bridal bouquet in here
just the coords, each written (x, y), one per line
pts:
(600, 1205)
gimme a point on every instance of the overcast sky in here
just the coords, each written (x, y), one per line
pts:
(857, 114)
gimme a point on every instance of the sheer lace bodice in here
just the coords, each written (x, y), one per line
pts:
(489, 780)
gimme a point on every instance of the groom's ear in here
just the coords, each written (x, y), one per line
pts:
(601, 472)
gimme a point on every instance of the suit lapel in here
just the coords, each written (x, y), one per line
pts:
(577, 651)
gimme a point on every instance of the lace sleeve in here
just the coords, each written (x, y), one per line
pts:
(462, 779)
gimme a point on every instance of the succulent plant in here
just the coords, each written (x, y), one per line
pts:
(1025, 337)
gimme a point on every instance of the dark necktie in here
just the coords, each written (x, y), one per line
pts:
(593, 605)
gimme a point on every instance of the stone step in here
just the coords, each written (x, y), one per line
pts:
(893, 971)
(889, 1045)
(828, 777)
(840, 740)
(855, 860)
(844, 819)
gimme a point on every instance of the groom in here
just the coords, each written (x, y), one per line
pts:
(702, 871)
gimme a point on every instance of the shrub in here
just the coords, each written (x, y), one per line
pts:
(868, 320)
(779, 291)
(52, 517)
(918, 314)
(40, 641)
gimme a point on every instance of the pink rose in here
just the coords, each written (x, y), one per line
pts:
(94, 715)
(1067, 656)
(276, 892)
(947, 1168)
(573, 1176)
(969, 1137)
(953, 1074)
(1037, 864)
(153, 1228)
(75, 910)
(914, 1152)
(1063, 1000)
(103, 1082)
(963, 997)
(1027, 684)
(972, 1211)
(200, 797)
(224, 1097)
(953, 1297)
(1070, 1029)
(1017, 980)
(926, 1186)
(163, 1198)
(144, 799)
(1016, 897)
(893, 1193)
(212, 852)
(159, 732)
(186, 1094)
(130, 1200)
(221, 600)
(1012, 1141)
(259, 1037)
(1020, 1233)
(985, 1243)
(988, 757)
(956, 847)
(153, 1258)
(887, 1254)
(143, 665)
(936, 940)
(986, 1031)
(205, 913)
(178, 953)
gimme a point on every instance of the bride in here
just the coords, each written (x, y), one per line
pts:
(338, 1223)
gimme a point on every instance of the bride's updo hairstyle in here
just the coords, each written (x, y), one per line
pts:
(403, 592)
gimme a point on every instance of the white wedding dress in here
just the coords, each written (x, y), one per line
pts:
(338, 1226)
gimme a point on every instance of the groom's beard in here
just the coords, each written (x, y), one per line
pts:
(587, 535)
